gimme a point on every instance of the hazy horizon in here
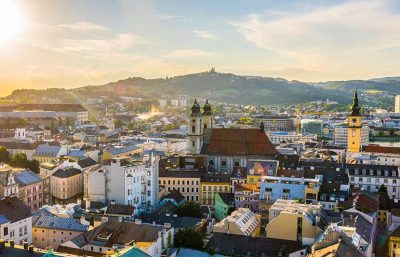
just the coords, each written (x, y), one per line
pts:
(66, 44)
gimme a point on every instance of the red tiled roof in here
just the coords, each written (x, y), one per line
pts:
(381, 149)
(240, 142)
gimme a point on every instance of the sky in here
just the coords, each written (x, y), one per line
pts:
(71, 43)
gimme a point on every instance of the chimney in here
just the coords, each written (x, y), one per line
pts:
(119, 219)
(12, 243)
(104, 220)
(25, 245)
(30, 249)
(138, 221)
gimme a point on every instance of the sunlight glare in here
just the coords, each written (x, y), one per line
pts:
(11, 20)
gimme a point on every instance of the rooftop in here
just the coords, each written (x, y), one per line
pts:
(66, 173)
(54, 222)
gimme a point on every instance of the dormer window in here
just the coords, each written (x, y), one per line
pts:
(379, 173)
(356, 171)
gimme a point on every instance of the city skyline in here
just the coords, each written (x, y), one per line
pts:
(70, 43)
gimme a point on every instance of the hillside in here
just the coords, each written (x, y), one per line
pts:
(222, 87)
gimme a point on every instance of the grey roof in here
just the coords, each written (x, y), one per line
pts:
(3, 219)
(363, 227)
(27, 177)
(173, 194)
(54, 222)
(14, 209)
(47, 150)
(66, 173)
(253, 246)
(120, 233)
(120, 209)
(86, 162)
(126, 149)
(77, 153)
(176, 222)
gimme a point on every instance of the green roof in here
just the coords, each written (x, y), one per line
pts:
(135, 252)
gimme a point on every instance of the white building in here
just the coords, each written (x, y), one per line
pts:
(372, 177)
(123, 181)
(340, 135)
(15, 220)
(397, 104)
(241, 222)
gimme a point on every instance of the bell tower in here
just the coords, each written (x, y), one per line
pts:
(195, 129)
(207, 116)
(354, 127)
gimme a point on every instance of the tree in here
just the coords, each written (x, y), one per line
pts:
(118, 123)
(189, 209)
(189, 238)
(381, 133)
(382, 189)
(34, 166)
(19, 160)
(391, 132)
(4, 155)
(131, 126)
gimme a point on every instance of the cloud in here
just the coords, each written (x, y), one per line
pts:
(168, 17)
(353, 26)
(188, 53)
(205, 34)
(83, 26)
(118, 43)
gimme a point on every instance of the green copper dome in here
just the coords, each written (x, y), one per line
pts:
(207, 108)
(195, 110)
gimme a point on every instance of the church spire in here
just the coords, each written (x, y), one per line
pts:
(355, 108)
(195, 110)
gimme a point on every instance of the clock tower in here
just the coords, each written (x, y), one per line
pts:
(354, 127)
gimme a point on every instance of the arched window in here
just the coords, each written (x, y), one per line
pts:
(193, 129)
(223, 163)
(211, 162)
(205, 126)
(237, 164)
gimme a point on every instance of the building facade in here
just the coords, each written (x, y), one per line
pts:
(66, 184)
(125, 182)
(15, 220)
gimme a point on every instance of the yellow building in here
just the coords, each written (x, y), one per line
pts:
(66, 184)
(253, 179)
(354, 127)
(212, 184)
(394, 243)
(300, 222)
(186, 182)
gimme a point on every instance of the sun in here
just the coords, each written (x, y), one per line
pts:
(11, 20)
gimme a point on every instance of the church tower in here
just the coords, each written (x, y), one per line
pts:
(195, 129)
(354, 127)
(207, 115)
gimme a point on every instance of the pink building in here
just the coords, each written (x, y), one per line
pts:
(30, 189)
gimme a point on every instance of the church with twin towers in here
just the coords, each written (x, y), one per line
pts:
(226, 149)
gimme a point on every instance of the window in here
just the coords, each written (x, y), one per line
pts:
(237, 164)
(223, 163)
(192, 143)
(211, 162)
(193, 129)
(5, 231)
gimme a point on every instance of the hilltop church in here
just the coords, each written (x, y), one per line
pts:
(227, 149)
